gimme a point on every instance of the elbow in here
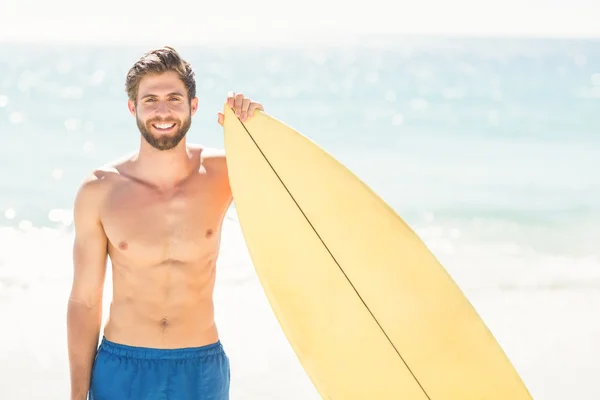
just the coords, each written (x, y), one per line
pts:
(88, 302)
(84, 311)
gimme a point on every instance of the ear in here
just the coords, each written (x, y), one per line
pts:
(131, 107)
(194, 105)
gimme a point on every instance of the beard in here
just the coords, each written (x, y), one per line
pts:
(164, 142)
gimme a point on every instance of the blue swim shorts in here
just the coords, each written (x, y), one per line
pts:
(122, 372)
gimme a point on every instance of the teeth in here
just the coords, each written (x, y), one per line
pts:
(164, 126)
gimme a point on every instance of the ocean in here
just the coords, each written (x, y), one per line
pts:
(489, 149)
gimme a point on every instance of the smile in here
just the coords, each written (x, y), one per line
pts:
(163, 127)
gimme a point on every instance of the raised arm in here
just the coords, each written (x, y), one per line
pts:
(214, 159)
(84, 312)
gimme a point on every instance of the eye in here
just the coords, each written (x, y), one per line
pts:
(149, 100)
(174, 99)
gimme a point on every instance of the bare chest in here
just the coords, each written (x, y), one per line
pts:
(147, 227)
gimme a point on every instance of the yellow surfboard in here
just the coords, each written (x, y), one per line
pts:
(369, 311)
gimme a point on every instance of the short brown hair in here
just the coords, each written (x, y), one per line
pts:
(157, 61)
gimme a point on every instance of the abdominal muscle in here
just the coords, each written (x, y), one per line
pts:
(168, 305)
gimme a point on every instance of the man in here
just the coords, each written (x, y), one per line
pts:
(158, 215)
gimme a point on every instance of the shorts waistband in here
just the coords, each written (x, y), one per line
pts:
(160, 354)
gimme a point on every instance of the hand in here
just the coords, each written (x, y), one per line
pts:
(243, 107)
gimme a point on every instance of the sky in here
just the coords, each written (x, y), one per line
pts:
(275, 20)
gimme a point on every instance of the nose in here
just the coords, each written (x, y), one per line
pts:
(162, 108)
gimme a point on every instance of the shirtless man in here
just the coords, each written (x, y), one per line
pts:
(158, 216)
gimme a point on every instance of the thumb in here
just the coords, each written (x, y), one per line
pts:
(220, 118)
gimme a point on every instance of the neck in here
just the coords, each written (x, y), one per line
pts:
(166, 168)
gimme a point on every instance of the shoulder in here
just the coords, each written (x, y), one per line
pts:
(211, 158)
(213, 155)
(214, 164)
(95, 186)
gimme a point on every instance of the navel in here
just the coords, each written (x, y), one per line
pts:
(123, 245)
(209, 233)
(164, 322)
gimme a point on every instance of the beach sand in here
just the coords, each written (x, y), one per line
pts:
(551, 334)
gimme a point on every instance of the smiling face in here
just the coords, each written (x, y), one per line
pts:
(163, 109)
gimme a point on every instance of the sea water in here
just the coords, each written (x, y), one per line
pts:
(488, 148)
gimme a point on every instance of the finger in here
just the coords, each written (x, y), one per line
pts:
(245, 106)
(231, 99)
(239, 98)
(220, 118)
(253, 107)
